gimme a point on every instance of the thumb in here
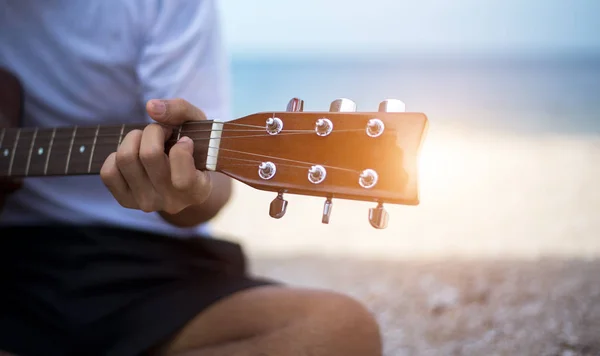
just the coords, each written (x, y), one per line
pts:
(173, 111)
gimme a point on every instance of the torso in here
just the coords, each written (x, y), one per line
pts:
(77, 68)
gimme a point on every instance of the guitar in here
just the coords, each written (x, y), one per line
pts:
(340, 153)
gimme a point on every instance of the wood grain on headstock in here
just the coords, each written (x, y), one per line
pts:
(344, 153)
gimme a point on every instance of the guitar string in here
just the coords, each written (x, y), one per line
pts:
(68, 135)
(285, 159)
(277, 160)
(57, 136)
(221, 167)
(61, 141)
(137, 126)
(282, 133)
(89, 140)
(58, 146)
(301, 165)
(133, 126)
(251, 163)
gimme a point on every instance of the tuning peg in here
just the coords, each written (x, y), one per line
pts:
(378, 217)
(342, 105)
(278, 207)
(327, 211)
(295, 105)
(392, 105)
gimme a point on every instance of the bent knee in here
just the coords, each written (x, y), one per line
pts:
(328, 317)
(343, 316)
(337, 305)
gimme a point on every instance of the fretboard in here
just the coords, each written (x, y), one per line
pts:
(79, 150)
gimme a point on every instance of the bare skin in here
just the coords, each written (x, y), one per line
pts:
(141, 176)
(279, 321)
(262, 321)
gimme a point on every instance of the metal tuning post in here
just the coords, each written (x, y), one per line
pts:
(327, 211)
(378, 216)
(278, 207)
(295, 105)
(392, 105)
(342, 105)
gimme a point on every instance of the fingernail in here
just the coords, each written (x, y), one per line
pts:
(184, 139)
(158, 107)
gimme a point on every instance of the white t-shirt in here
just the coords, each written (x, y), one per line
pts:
(96, 62)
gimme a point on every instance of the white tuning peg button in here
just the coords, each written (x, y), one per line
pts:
(295, 105)
(342, 105)
(392, 105)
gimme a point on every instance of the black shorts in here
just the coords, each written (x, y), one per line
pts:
(102, 291)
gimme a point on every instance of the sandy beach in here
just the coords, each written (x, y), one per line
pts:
(502, 257)
(548, 307)
(483, 194)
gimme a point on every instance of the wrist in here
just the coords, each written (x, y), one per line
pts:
(197, 214)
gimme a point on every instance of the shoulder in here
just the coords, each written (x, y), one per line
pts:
(162, 17)
(179, 12)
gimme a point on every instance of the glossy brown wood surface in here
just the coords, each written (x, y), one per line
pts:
(11, 106)
(344, 153)
(244, 144)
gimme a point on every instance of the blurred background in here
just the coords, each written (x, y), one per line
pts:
(512, 90)
(500, 257)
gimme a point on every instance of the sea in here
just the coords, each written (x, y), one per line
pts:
(557, 92)
(510, 166)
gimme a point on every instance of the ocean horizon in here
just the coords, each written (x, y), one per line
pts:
(508, 167)
(530, 93)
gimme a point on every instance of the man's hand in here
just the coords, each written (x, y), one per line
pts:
(140, 175)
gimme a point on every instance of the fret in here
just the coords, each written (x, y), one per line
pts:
(49, 151)
(121, 135)
(70, 149)
(93, 149)
(73, 150)
(18, 158)
(39, 150)
(202, 134)
(58, 148)
(80, 151)
(9, 138)
(30, 151)
(2, 138)
(107, 141)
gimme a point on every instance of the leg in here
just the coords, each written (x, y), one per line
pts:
(191, 297)
(279, 321)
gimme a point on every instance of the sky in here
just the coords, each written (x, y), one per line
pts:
(267, 28)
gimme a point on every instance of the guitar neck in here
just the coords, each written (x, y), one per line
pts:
(81, 150)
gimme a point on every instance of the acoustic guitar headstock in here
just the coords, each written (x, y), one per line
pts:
(341, 153)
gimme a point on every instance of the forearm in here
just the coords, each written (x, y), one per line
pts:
(198, 214)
